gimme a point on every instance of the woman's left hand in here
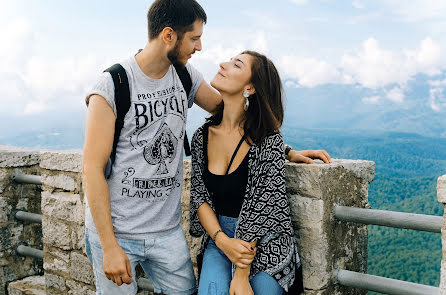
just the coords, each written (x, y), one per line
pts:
(307, 156)
(240, 285)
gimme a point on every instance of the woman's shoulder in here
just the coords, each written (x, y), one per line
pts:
(273, 140)
(197, 138)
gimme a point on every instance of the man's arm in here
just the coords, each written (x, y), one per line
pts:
(207, 97)
(99, 134)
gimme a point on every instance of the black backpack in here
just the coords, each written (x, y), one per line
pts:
(122, 102)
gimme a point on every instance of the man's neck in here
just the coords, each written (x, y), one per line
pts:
(153, 61)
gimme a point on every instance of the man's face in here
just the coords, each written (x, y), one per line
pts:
(187, 46)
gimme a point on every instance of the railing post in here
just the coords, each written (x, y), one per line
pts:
(15, 197)
(324, 243)
(441, 196)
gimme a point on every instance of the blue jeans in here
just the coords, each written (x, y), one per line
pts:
(165, 259)
(216, 271)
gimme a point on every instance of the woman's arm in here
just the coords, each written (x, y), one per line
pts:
(307, 156)
(240, 253)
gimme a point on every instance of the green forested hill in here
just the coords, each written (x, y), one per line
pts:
(407, 168)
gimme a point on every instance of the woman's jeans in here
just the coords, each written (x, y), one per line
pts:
(216, 272)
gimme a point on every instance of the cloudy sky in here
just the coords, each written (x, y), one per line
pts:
(51, 51)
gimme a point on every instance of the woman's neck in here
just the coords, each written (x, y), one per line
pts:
(233, 114)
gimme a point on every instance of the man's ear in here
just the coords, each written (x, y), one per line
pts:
(169, 36)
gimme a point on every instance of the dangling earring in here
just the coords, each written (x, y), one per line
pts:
(246, 94)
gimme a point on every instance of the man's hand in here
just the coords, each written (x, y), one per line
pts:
(240, 253)
(307, 156)
(117, 266)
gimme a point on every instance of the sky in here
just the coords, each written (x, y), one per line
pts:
(52, 51)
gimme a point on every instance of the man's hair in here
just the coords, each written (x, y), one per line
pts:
(180, 15)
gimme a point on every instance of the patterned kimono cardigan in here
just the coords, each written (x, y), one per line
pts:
(265, 213)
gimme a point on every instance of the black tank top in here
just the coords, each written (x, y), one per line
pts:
(227, 191)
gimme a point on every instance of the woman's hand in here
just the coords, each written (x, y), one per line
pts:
(240, 284)
(240, 253)
(306, 156)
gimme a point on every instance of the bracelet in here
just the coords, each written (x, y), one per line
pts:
(216, 233)
(287, 150)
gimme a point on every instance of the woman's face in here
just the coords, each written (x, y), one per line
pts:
(234, 76)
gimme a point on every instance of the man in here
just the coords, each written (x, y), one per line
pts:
(133, 216)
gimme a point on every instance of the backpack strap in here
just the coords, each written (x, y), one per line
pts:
(187, 84)
(122, 102)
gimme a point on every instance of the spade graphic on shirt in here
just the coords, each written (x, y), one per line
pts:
(163, 148)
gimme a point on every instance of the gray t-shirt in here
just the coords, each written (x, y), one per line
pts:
(146, 181)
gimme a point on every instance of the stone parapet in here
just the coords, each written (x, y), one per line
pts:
(325, 244)
(15, 197)
(441, 196)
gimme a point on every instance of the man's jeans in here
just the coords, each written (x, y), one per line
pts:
(216, 272)
(165, 260)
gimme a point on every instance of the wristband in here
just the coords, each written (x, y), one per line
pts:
(288, 148)
(216, 233)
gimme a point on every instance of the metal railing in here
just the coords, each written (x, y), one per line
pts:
(26, 178)
(420, 222)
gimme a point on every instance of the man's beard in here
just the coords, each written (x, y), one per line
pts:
(173, 54)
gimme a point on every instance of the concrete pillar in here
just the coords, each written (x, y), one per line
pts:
(13, 197)
(441, 196)
(324, 243)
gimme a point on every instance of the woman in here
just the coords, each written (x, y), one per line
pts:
(238, 198)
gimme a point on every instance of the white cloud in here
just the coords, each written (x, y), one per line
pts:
(437, 100)
(437, 83)
(291, 84)
(417, 10)
(371, 99)
(309, 72)
(299, 1)
(396, 94)
(374, 67)
(358, 4)
(31, 84)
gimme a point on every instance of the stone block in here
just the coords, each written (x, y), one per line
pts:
(56, 233)
(78, 237)
(34, 285)
(65, 181)
(4, 179)
(81, 269)
(63, 205)
(76, 288)
(56, 260)
(441, 189)
(54, 282)
(61, 160)
(5, 210)
(17, 157)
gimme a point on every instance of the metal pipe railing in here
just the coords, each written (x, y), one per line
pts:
(26, 178)
(145, 284)
(382, 285)
(28, 217)
(29, 251)
(428, 223)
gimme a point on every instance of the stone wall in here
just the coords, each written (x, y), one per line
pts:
(441, 195)
(324, 243)
(14, 197)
